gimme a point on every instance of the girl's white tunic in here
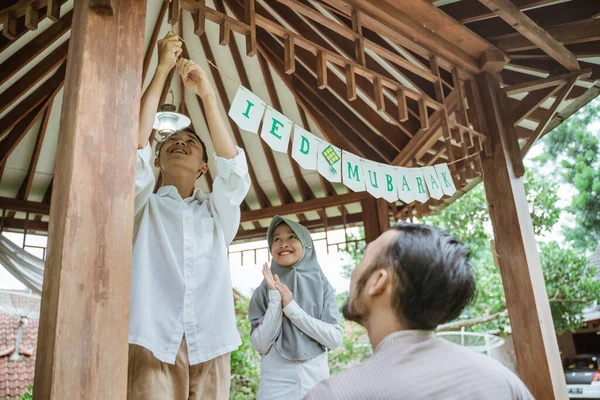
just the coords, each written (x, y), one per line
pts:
(286, 379)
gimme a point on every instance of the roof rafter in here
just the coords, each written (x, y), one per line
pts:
(510, 13)
(37, 73)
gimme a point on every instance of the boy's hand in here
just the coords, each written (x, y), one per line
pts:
(169, 49)
(195, 78)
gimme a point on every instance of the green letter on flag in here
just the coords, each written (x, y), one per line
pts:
(276, 125)
(420, 185)
(445, 179)
(304, 150)
(390, 183)
(405, 184)
(371, 176)
(434, 185)
(353, 172)
(247, 113)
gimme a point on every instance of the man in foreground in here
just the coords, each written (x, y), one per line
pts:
(412, 279)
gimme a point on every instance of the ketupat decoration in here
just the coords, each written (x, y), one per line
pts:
(331, 156)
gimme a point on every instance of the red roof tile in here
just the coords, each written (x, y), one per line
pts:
(15, 376)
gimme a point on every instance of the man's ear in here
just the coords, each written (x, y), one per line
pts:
(378, 282)
(156, 163)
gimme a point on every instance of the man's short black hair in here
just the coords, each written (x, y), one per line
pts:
(189, 130)
(433, 276)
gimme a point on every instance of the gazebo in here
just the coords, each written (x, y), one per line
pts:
(411, 83)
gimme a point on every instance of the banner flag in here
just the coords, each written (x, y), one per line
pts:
(329, 162)
(405, 183)
(276, 130)
(390, 188)
(305, 148)
(446, 179)
(352, 171)
(433, 182)
(247, 110)
(374, 178)
(421, 193)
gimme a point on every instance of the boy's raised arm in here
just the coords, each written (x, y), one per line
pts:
(196, 79)
(169, 48)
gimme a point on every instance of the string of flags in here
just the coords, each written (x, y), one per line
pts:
(389, 182)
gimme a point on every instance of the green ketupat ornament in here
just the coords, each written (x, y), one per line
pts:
(332, 157)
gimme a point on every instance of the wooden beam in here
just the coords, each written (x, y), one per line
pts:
(322, 70)
(53, 10)
(535, 342)
(104, 7)
(560, 96)
(174, 9)
(86, 279)
(20, 225)
(12, 140)
(25, 188)
(570, 33)
(34, 47)
(31, 207)
(154, 38)
(31, 78)
(9, 26)
(510, 13)
(14, 116)
(310, 205)
(290, 54)
(542, 83)
(467, 11)
(312, 225)
(531, 102)
(249, 13)
(32, 17)
(375, 215)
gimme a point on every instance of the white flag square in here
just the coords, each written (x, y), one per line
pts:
(374, 179)
(405, 184)
(445, 179)
(276, 130)
(247, 110)
(433, 182)
(305, 148)
(352, 171)
(421, 194)
(329, 161)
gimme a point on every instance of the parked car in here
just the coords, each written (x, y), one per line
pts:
(582, 373)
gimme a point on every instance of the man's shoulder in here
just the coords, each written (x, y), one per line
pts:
(347, 385)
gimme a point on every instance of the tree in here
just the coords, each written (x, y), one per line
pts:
(570, 281)
(573, 147)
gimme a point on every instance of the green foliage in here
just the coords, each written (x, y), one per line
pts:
(28, 395)
(245, 361)
(574, 149)
(354, 349)
(570, 281)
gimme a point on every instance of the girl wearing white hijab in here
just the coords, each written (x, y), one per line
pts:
(294, 315)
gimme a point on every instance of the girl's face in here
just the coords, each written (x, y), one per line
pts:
(286, 248)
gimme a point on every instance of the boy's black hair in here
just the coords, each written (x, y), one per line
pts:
(189, 130)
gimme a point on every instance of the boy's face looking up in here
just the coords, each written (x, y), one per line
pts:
(182, 152)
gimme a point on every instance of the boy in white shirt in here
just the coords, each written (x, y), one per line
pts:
(182, 322)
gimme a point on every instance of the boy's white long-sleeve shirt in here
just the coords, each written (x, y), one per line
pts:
(180, 278)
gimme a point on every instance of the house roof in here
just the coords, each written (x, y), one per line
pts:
(16, 376)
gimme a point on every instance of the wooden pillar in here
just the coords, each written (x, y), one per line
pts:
(533, 332)
(82, 341)
(376, 219)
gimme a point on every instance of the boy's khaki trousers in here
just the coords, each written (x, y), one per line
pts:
(150, 379)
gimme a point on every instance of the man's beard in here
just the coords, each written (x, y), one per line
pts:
(353, 310)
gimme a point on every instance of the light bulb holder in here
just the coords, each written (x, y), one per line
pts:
(167, 121)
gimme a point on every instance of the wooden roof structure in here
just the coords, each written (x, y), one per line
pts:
(473, 83)
(374, 78)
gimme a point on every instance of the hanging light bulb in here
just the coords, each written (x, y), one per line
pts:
(168, 121)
